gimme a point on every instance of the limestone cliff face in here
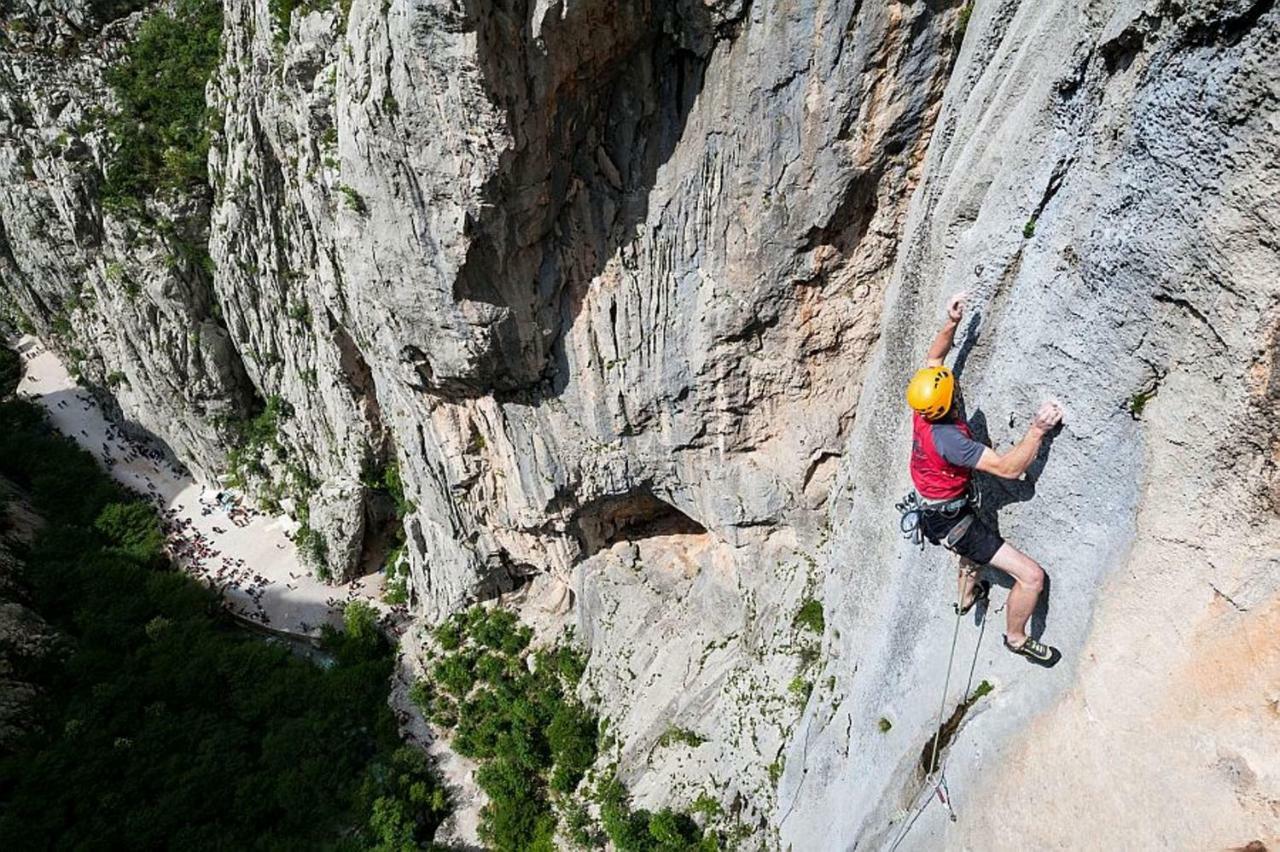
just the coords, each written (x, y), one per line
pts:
(604, 282)
(562, 259)
(129, 304)
(630, 290)
(1103, 179)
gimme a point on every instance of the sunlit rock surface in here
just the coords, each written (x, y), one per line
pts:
(630, 291)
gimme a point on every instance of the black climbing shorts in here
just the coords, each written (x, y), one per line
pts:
(978, 544)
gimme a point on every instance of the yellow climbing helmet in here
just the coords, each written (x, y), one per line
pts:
(930, 391)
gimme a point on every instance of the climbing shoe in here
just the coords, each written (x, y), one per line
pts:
(981, 590)
(1037, 652)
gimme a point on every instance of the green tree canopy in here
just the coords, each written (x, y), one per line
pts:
(166, 726)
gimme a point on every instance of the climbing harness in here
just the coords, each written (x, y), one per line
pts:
(957, 532)
(912, 506)
(936, 779)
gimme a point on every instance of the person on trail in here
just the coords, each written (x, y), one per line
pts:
(943, 458)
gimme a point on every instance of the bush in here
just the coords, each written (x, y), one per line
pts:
(569, 663)
(254, 439)
(810, 616)
(800, 689)
(134, 528)
(642, 831)
(282, 10)
(387, 480)
(396, 590)
(572, 737)
(360, 621)
(455, 675)
(354, 199)
(160, 133)
(517, 816)
(405, 801)
(673, 736)
(499, 630)
(449, 635)
(512, 709)
(314, 550)
(962, 21)
(531, 736)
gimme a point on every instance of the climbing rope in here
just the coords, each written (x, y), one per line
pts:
(938, 786)
(946, 685)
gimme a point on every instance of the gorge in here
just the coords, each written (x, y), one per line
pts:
(625, 297)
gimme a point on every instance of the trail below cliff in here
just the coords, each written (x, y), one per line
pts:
(249, 559)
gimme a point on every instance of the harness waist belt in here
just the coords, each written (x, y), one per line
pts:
(944, 505)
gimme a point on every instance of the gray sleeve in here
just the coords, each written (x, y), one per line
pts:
(955, 447)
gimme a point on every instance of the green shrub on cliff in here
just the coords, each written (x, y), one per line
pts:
(810, 617)
(160, 129)
(512, 709)
(645, 831)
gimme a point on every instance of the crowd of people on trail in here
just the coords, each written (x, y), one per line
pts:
(200, 557)
(199, 552)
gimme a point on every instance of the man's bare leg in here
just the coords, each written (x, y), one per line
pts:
(966, 582)
(1028, 580)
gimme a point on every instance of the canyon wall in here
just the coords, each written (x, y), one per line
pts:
(1103, 180)
(129, 304)
(629, 293)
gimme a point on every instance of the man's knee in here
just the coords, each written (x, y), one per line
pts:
(1032, 575)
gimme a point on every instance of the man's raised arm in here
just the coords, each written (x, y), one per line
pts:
(947, 335)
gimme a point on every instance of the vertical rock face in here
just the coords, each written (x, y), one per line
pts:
(560, 254)
(1103, 180)
(604, 282)
(629, 292)
(128, 303)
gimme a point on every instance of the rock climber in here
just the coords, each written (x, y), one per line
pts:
(944, 455)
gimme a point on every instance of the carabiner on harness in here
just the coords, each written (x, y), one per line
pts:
(909, 508)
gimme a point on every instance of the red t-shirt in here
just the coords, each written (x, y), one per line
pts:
(943, 455)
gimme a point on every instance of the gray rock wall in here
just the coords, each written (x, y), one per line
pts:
(630, 292)
(584, 256)
(128, 304)
(1140, 137)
